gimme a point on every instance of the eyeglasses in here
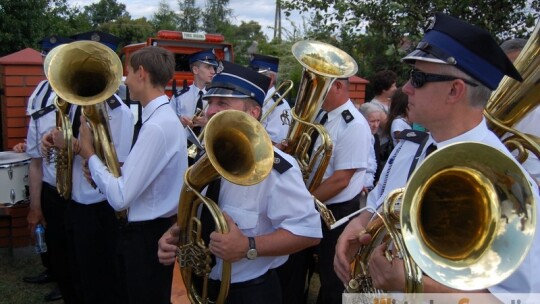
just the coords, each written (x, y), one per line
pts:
(419, 78)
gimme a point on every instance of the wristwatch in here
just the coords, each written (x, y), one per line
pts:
(252, 251)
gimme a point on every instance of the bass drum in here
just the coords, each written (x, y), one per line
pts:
(13, 177)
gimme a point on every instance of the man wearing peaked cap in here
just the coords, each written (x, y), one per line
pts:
(97, 36)
(188, 103)
(454, 70)
(276, 122)
(267, 221)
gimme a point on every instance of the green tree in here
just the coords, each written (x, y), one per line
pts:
(105, 11)
(131, 31)
(216, 16)
(377, 33)
(24, 23)
(165, 18)
(189, 20)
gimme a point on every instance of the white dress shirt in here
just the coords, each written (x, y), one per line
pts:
(153, 172)
(121, 128)
(276, 128)
(351, 147)
(280, 201)
(39, 127)
(529, 125)
(186, 103)
(524, 279)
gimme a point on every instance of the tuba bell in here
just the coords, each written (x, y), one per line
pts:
(84, 73)
(513, 100)
(467, 218)
(238, 149)
(322, 65)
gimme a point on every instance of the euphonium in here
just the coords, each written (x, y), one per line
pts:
(322, 65)
(86, 73)
(238, 149)
(513, 100)
(467, 218)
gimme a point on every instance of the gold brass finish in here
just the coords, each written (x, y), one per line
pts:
(513, 100)
(85, 73)
(238, 149)
(322, 65)
(467, 219)
(288, 84)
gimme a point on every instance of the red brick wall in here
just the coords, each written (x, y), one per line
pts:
(17, 82)
(357, 89)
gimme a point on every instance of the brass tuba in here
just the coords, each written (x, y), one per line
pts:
(513, 100)
(467, 218)
(238, 149)
(84, 73)
(322, 65)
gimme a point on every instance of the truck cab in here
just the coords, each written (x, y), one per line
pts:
(182, 44)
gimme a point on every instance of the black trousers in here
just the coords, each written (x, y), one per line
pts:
(92, 240)
(262, 290)
(143, 279)
(54, 209)
(293, 276)
(331, 289)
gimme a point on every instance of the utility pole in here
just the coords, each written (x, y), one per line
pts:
(277, 21)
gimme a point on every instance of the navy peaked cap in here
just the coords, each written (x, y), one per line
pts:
(238, 81)
(471, 49)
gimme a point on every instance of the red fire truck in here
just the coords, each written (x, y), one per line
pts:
(182, 44)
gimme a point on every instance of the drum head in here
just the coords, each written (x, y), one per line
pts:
(11, 157)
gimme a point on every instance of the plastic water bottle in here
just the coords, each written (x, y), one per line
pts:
(41, 245)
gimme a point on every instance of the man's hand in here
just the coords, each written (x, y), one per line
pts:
(46, 144)
(58, 138)
(386, 275)
(168, 244)
(200, 121)
(230, 247)
(348, 244)
(86, 140)
(20, 147)
(34, 217)
(186, 121)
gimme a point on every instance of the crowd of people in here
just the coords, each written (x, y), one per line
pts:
(115, 239)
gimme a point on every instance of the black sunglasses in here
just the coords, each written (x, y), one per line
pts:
(419, 78)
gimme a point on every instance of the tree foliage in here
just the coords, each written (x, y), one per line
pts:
(165, 18)
(216, 16)
(189, 16)
(379, 32)
(105, 11)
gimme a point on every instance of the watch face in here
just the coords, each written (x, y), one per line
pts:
(252, 254)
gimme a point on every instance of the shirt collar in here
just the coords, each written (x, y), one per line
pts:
(476, 133)
(152, 106)
(337, 111)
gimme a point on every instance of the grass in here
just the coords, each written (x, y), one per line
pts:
(24, 262)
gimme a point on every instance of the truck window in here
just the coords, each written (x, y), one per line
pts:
(182, 63)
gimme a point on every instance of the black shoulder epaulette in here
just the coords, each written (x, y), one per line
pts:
(275, 97)
(413, 135)
(113, 102)
(281, 165)
(41, 112)
(184, 90)
(347, 116)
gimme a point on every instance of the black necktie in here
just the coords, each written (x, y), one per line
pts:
(430, 149)
(315, 134)
(76, 122)
(199, 102)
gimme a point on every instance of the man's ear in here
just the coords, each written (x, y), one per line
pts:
(458, 89)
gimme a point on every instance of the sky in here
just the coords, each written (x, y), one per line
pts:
(261, 11)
